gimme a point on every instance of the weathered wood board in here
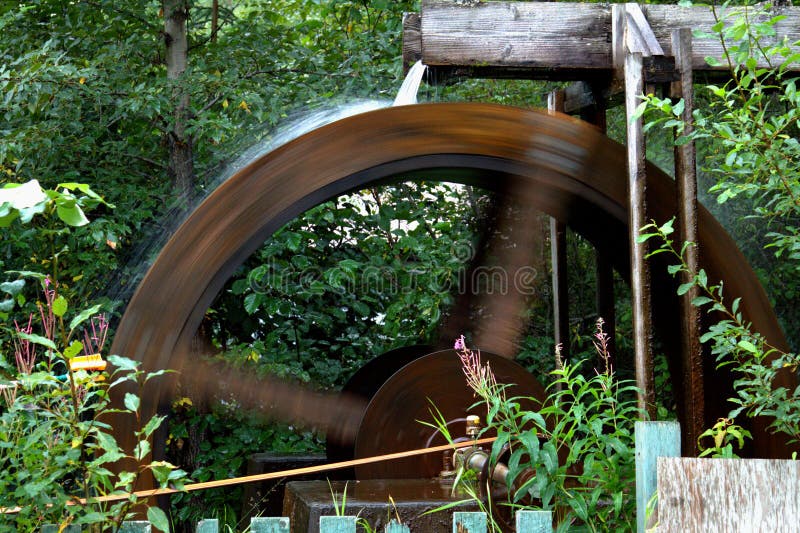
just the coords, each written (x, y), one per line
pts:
(732, 495)
(556, 40)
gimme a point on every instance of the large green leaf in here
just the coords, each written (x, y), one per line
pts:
(37, 339)
(158, 518)
(70, 213)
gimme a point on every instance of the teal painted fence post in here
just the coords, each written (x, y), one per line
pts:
(262, 524)
(208, 525)
(653, 440)
(136, 526)
(469, 522)
(53, 528)
(534, 522)
(337, 524)
(396, 527)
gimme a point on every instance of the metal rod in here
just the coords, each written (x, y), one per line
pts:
(276, 475)
(558, 258)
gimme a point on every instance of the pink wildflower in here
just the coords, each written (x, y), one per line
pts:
(24, 350)
(480, 378)
(600, 342)
(460, 344)
(46, 311)
(94, 341)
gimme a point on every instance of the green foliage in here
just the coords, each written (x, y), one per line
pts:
(749, 128)
(215, 442)
(58, 451)
(575, 455)
(723, 434)
(350, 279)
(753, 118)
(735, 344)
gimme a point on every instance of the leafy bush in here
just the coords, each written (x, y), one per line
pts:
(735, 344)
(753, 118)
(575, 455)
(58, 453)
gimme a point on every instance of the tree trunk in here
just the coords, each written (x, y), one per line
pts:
(181, 168)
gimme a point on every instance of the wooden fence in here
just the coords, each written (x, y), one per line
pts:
(463, 522)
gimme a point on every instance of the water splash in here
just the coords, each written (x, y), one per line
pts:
(407, 95)
(292, 128)
(124, 281)
(121, 283)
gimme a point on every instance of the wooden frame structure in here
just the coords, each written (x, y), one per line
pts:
(610, 50)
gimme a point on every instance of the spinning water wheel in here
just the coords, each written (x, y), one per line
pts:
(576, 175)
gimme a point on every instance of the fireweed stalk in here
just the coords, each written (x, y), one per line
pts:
(578, 446)
(59, 449)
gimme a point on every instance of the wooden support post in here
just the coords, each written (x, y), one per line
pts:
(558, 258)
(269, 525)
(652, 440)
(534, 522)
(397, 527)
(637, 217)
(469, 522)
(209, 525)
(686, 184)
(337, 524)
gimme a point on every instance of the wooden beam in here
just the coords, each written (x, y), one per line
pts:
(639, 37)
(693, 412)
(637, 217)
(549, 40)
(412, 40)
(558, 254)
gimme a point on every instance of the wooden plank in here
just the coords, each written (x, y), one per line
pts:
(208, 525)
(504, 34)
(652, 440)
(469, 522)
(641, 305)
(53, 528)
(686, 191)
(556, 40)
(412, 40)
(534, 522)
(735, 495)
(639, 36)
(337, 524)
(619, 22)
(396, 527)
(260, 524)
